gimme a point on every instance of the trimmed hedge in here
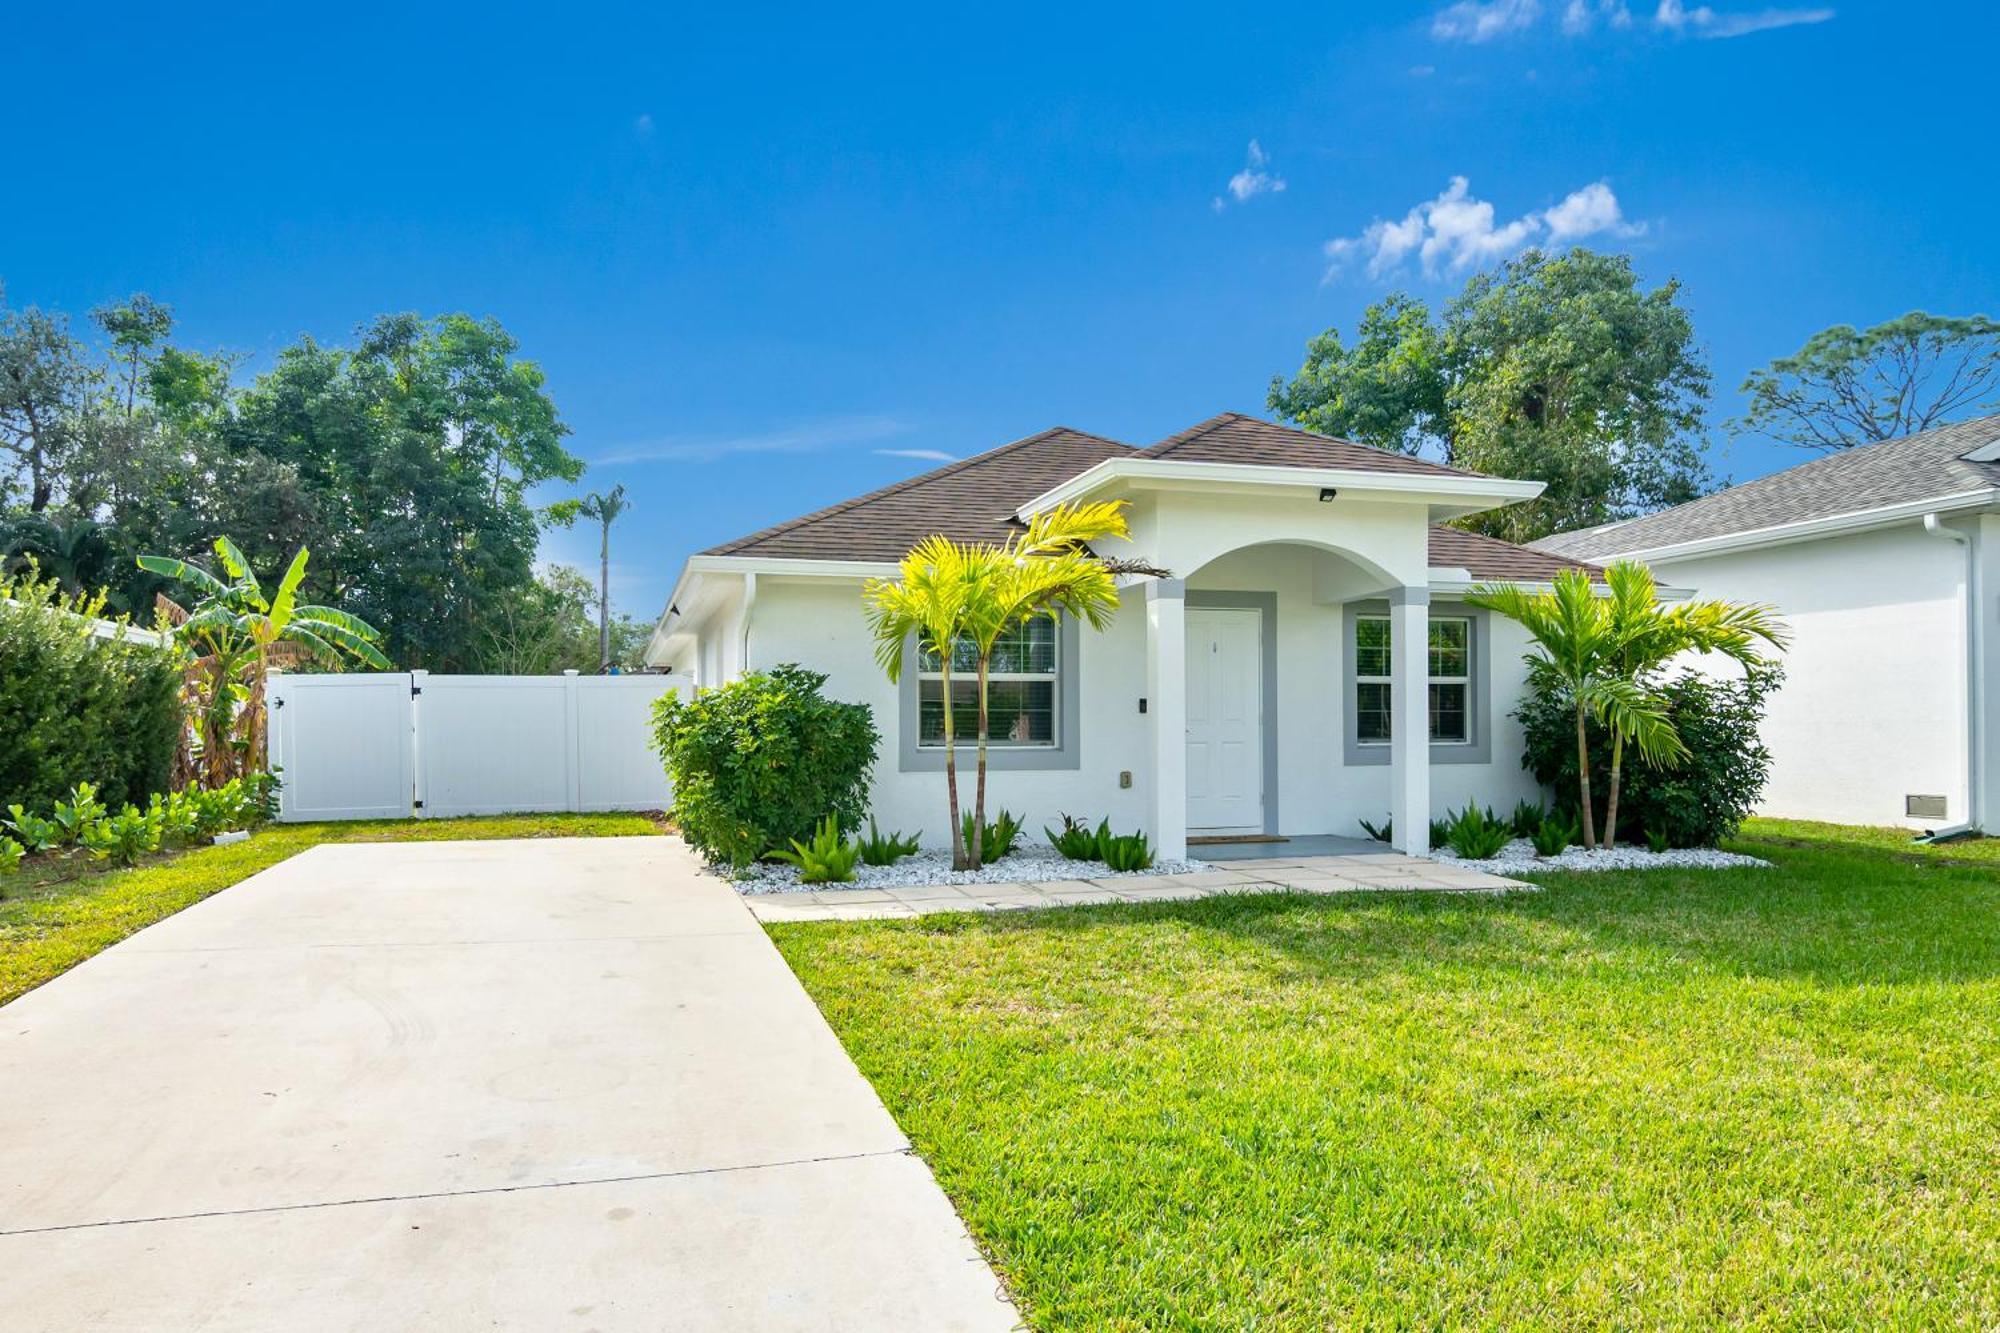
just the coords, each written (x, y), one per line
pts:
(1697, 803)
(77, 708)
(762, 760)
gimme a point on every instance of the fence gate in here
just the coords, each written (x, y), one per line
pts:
(385, 745)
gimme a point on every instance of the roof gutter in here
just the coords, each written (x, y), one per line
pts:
(1975, 682)
(1784, 534)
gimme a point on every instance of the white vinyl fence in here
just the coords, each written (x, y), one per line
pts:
(386, 745)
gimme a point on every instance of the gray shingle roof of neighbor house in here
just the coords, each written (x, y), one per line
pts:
(974, 500)
(1927, 466)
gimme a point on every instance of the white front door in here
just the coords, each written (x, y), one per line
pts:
(1225, 719)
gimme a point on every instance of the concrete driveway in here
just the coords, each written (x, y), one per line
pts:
(561, 1083)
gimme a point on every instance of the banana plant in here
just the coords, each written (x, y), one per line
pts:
(232, 632)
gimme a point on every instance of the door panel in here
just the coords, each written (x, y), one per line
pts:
(1225, 719)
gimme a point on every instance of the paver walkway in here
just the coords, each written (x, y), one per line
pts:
(549, 1084)
(1373, 872)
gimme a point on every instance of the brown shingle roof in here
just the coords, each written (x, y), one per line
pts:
(1489, 558)
(974, 500)
(1235, 438)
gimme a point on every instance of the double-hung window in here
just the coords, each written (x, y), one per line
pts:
(1450, 680)
(1020, 695)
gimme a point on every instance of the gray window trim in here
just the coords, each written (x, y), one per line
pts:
(1479, 749)
(1267, 603)
(1066, 753)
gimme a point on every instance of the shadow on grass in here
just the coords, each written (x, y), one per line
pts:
(1833, 913)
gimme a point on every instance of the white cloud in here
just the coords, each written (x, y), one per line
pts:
(1587, 212)
(643, 125)
(1580, 16)
(930, 455)
(1483, 20)
(1455, 232)
(1253, 180)
(1702, 21)
(804, 439)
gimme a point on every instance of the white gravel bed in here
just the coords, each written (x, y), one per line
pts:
(1027, 863)
(1520, 855)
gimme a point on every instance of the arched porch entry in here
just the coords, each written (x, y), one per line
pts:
(1247, 695)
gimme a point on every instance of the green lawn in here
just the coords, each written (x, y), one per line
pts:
(1740, 1098)
(58, 911)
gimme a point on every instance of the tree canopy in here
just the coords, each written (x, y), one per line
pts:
(1557, 368)
(404, 461)
(1847, 387)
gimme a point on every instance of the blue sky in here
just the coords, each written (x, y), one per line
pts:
(770, 258)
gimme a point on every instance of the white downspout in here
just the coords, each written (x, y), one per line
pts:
(743, 642)
(1975, 682)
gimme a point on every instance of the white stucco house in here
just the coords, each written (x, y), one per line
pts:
(1314, 604)
(1885, 562)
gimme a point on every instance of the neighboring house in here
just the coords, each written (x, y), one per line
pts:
(1259, 690)
(1885, 561)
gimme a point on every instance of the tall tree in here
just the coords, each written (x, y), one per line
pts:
(404, 464)
(135, 326)
(1558, 368)
(46, 380)
(1847, 387)
(551, 626)
(604, 509)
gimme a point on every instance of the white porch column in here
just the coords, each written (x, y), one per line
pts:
(1166, 707)
(1410, 718)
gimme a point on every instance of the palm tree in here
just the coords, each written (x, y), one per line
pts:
(1647, 636)
(1573, 644)
(605, 509)
(1605, 651)
(232, 633)
(950, 595)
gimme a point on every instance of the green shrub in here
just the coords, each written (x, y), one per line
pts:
(1696, 804)
(1383, 832)
(1477, 834)
(1130, 851)
(77, 708)
(123, 837)
(76, 815)
(1440, 833)
(758, 762)
(1001, 835)
(827, 859)
(1556, 834)
(1657, 840)
(34, 832)
(175, 813)
(11, 853)
(1077, 841)
(1527, 818)
(885, 849)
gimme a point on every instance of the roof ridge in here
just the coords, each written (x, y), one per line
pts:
(949, 469)
(1192, 433)
(1184, 438)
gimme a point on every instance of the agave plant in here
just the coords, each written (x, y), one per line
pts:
(232, 634)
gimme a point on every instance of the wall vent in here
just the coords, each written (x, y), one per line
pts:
(1924, 807)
